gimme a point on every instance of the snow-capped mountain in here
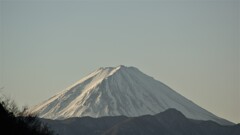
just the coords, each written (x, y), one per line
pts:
(121, 90)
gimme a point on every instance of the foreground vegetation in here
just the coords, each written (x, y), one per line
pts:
(15, 122)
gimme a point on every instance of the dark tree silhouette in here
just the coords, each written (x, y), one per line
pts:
(13, 122)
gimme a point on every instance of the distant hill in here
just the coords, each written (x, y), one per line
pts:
(169, 122)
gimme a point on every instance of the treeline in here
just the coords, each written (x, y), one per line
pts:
(14, 122)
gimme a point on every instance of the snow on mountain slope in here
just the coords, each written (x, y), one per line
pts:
(121, 90)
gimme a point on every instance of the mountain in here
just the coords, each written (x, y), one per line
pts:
(114, 91)
(169, 122)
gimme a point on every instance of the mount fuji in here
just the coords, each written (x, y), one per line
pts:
(115, 91)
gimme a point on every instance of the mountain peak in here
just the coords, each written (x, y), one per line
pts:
(121, 66)
(114, 68)
(171, 113)
(109, 71)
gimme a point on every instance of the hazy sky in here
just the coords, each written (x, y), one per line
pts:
(191, 46)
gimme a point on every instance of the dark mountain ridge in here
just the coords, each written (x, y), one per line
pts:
(169, 122)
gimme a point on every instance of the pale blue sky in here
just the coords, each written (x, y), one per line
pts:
(191, 46)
